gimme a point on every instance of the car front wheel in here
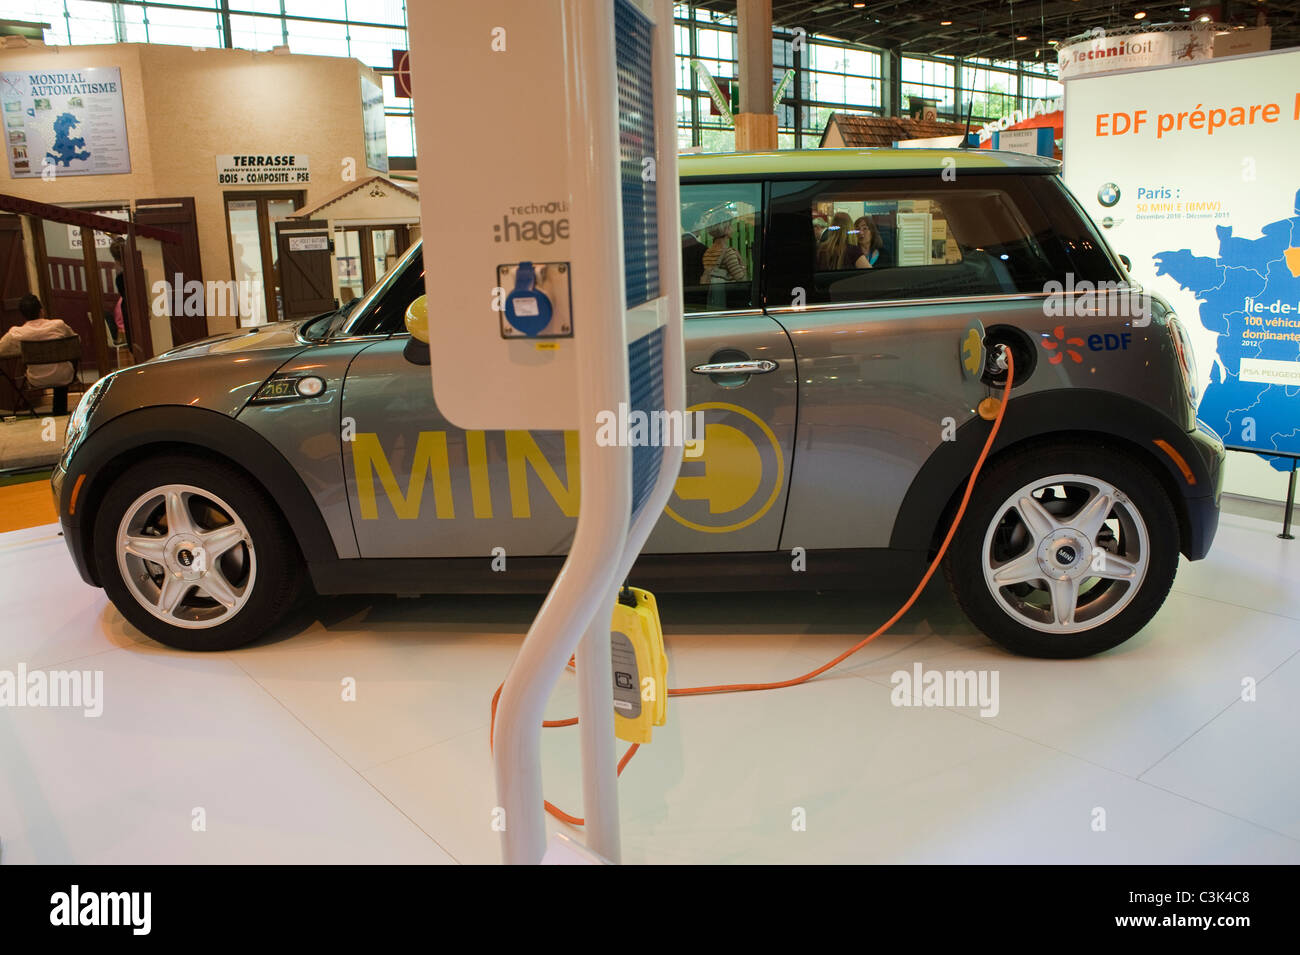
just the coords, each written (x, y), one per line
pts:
(1064, 551)
(193, 553)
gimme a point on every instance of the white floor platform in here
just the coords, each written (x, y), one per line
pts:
(1154, 733)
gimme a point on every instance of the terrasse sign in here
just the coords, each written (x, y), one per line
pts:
(262, 170)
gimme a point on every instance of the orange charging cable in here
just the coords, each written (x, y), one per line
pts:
(804, 678)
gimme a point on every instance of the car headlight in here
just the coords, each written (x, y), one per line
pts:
(81, 414)
(1186, 359)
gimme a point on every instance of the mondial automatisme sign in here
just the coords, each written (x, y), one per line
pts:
(67, 122)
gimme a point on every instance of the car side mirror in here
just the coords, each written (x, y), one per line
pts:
(416, 352)
(417, 323)
(1128, 263)
(417, 319)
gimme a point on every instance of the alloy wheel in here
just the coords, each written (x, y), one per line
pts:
(1066, 553)
(186, 556)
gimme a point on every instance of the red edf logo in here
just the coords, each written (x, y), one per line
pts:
(1058, 356)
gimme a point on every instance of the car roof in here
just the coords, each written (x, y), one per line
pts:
(788, 163)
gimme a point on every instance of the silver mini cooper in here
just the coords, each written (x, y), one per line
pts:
(830, 298)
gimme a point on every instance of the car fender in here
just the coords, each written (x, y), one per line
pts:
(120, 442)
(1078, 414)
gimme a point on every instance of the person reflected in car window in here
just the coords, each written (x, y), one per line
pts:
(722, 263)
(869, 243)
(835, 252)
(819, 226)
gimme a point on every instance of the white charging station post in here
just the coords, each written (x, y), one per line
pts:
(553, 272)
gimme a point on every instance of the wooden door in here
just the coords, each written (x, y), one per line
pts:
(306, 285)
(13, 286)
(181, 262)
(13, 271)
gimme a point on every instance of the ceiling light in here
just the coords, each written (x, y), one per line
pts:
(1140, 15)
(858, 6)
(1204, 18)
(1022, 37)
(945, 23)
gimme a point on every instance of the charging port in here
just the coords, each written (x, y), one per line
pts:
(1022, 350)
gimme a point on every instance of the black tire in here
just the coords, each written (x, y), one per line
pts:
(278, 577)
(964, 564)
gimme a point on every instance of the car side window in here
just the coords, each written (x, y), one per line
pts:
(867, 240)
(720, 236)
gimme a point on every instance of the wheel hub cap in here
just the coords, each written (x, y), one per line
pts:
(1061, 554)
(185, 558)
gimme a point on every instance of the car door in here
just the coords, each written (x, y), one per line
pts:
(741, 387)
(885, 292)
(420, 487)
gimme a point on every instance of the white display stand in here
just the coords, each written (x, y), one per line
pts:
(527, 249)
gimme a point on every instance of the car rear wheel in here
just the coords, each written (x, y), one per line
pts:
(1064, 551)
(193, 553)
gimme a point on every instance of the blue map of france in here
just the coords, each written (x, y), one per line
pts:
(66, 147)
(1249, 296)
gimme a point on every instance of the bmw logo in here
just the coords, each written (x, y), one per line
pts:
(1108, 194)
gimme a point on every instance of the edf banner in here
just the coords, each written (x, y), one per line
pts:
(1192, 172)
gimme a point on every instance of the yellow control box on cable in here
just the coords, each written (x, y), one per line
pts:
(640, 666)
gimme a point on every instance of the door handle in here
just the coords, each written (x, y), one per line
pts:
(759, 366)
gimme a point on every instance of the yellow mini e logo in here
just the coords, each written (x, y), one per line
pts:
(738, 477)
(972, 353)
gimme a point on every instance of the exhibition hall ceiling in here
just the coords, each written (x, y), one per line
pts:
(1003, 29)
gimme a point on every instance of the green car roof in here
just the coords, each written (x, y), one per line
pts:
(820, 162)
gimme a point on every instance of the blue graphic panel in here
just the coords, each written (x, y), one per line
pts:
(645, 360)
(636, 136)
(1249, 296)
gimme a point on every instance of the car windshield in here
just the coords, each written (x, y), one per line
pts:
(325, 326)
(382, 310)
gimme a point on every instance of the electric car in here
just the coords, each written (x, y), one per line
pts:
(835, 401)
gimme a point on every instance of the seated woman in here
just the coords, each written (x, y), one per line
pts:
(37, 328)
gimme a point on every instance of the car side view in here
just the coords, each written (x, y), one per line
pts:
(828, 296)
